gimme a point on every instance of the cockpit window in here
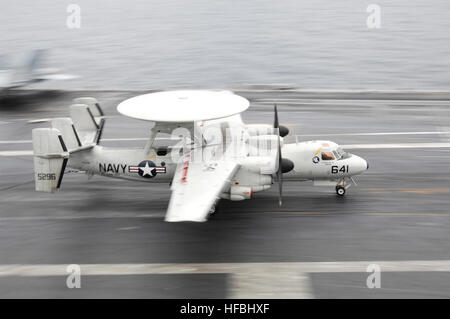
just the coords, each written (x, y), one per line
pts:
(327, 156)
(341, 154)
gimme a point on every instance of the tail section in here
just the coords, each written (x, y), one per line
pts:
(24, 74)
(52, 146)
(92, 103)
(37, 56)
(68, 132)
(50, 159)
(87, 117)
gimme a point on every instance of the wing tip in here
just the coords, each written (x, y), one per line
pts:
(178, 220)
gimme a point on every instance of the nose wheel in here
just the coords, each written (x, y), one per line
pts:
(340, 190)
(342, 186)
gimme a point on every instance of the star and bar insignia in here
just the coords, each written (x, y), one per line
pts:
(147, 169)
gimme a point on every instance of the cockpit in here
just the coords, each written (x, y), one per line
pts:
(335, 154)
(327, 156)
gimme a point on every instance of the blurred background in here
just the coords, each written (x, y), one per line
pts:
(145, 44)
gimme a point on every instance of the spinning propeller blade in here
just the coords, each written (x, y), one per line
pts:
(284, 164)
(276, 125)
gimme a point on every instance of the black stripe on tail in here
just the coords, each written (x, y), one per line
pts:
(63, 168)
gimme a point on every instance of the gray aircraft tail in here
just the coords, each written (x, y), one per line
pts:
(87, 117)
(85, 125)
(50, 159)
(68, 132)
(26, 73)
(37, 56)
(53, 146)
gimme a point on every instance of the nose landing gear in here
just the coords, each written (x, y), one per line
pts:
(340, 190)
(342, 186)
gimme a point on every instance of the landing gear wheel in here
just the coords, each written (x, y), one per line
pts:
(214, 209)
(340, 190)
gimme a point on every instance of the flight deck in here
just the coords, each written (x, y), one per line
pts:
(317, 245)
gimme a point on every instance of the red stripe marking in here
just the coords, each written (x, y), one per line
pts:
(185, 169)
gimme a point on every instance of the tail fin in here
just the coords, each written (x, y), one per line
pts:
(50, 159)
(87, 119)
(70, 135)
(25, 72)
(92, 103)
(35, 60)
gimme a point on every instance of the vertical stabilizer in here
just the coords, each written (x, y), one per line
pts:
(50, 159)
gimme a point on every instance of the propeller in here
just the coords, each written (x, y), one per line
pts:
(276, 125)
(284, 165)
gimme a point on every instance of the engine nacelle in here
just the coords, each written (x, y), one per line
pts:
(265, 129)
(260, 164)
(260, 129)
(264, 142)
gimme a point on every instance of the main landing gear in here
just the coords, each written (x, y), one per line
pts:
(214, 209)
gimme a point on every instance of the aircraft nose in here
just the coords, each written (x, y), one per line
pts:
(360, 165)
(364, 164)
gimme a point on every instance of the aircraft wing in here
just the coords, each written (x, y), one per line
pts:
(196, 187)
(56, 77)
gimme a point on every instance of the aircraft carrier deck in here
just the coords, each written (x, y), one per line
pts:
(317, 245)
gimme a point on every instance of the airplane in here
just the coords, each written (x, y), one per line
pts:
(29, 72)
(211, 154)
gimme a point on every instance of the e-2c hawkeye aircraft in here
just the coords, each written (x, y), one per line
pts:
(211, 154)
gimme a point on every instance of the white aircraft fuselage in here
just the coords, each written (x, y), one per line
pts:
(319, 161)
